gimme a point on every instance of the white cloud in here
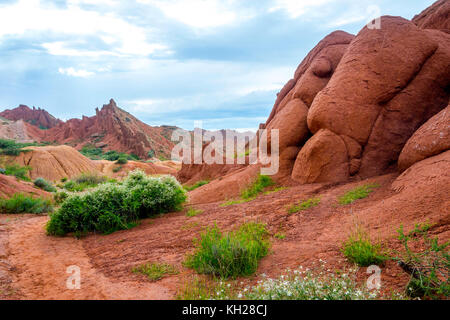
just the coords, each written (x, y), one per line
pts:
(75, 73)
(197, 13)
(296, 8)
(30, 16)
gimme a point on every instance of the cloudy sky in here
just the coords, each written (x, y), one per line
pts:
(168, 61)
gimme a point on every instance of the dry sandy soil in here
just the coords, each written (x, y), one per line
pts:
(33, 265)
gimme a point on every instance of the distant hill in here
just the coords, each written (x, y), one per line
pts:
(37, 117)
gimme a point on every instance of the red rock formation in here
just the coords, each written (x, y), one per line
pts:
(436, 16)
(37, 117)
(113, 129)
(431, 139)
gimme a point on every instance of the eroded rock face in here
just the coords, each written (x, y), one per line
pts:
(37, 117)
(314, 71)
(55, 162)
(429, 140)
(435, 17)
(115, 129)
(381, 93)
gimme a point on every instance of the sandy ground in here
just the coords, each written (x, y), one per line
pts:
(37, 264)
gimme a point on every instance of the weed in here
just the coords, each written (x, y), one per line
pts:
(193, 212)
(20, 203)
(359, 249)
(357, 193)
(232, 254)
(155, 271)
(304, 205)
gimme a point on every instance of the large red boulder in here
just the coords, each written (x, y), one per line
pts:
(323, 158)
(314, 71)
(431, 139)
(387, 84)
(435, 17)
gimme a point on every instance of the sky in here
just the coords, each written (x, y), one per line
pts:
(168, 62)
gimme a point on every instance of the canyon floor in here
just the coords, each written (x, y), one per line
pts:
(33, 265)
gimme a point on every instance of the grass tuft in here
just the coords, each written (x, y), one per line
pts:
(357, 193)
(196, 185)
(20, 203)
(229, 255)
(193, 212)
(304, 205)
(359, 249)
(155, 271)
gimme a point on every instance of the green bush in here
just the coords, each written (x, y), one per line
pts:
(257, 187)
(429, 268)
(18, 171)
(84, 181)
(122, 160)
(196, 185)
(229, 255)
(43, 184)
(155, 271)
(357, 193)
(359, 249)
(2, 171)
(111, 207)
(20, 203)
(60, 197)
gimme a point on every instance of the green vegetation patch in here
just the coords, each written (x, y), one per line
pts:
(84, 181)
(13, 148)
(45, 185)
(357, 193)
(95, 153)
(110, 206)
(359, 249)
(196, 185)
(155, 271)
(232, 254)
(20, 203)
(193, 212)
(304, 205)
(429, 267)
(18, 171)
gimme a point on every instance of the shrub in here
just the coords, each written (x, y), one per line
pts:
(429, 268)
(60, 197)
(117, 169)
(41, 183)
(18, 171)
(20, 203)
(2, 171)
(196, 185)
(111, 207)
(357, 193)
(64, 179)
(155, 271)
(151, 154)
(229, 255)
(193, 212)
(122, 160)
(257, 187)
(304, 205)
(83, 182)
(359, 249)
(303, 284)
